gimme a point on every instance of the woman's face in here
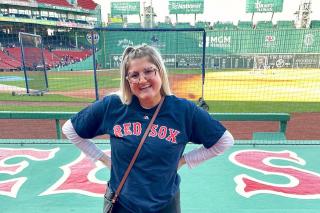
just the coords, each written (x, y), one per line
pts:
(145, 82)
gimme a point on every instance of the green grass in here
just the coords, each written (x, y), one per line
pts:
(45, 98)
(67, 81)
(215, 106)
(41, 108)
(267, 106)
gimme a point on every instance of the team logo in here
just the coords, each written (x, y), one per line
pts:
(124, 43)
(308, 40)
(217, 41)
(269, 41)
(270, 38)
(280, 63)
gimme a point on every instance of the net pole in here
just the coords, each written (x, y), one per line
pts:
(23, 62)
(44, 65)
(94, 66)
(203, 61)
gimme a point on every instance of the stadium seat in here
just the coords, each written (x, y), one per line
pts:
(133, 25)
(202, 24)
(223, 26)
(183, 25)
(50, 59)
(77, 54)
(285, 25)
(87, 4)
(115, 25)
(164, 25)
(245, 25)
(6, 59)
(315, 24)
(264, 25)
(64, 3)
(4, 66)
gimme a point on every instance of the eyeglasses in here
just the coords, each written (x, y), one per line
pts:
(134, 77)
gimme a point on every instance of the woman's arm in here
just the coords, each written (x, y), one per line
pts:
(87, 146)
(197, 156)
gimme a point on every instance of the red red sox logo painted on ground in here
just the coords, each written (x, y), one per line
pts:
(79, 176)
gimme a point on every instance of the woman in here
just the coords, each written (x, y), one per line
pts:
(153, 183)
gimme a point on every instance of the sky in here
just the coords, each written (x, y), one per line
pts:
(217, 10)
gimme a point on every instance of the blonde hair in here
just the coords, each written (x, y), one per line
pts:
(154, 57)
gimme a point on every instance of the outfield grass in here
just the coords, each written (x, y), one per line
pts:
(41, 108)
(267, 106)
(68, 81)
(215, 106)
(44, 98)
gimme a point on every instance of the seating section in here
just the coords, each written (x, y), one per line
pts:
(12, 59)
(8, 62)
(164, 25)
(245, 25)
(285, 25)
(202, 24)
(133, 25)
(50, 58)
(4, 66)
(72, 53)
(264, 25)
(224, 26)
(63, 3)
(183, 25)
(87, 4)
(115, 25)
(315, 24)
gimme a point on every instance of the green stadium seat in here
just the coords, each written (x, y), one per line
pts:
(133, 25)
(245, 25)
(115, 25)
(164, 25)
(264, 25)
(202, 24)
(224, 26)
(183, 25)
(315, 24)
(285, 25)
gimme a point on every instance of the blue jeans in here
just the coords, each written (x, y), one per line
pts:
(172, 207)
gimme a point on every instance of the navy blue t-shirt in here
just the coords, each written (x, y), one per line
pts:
(153, 180)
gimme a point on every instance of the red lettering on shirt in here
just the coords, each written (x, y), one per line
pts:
(153, 131)
(137, 128)
(172, 135)
(162, 132)
(117, 131)
(127, 129)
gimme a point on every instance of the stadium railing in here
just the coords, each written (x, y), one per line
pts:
(282, 118)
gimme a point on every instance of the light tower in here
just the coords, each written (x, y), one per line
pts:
(303, 14)
(148, 15)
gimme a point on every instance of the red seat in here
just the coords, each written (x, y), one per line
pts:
(4, 66)
(64, 3)
(87, 4)
(73, 53)
(10, 61)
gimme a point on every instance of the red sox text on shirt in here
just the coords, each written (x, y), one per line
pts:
(162, 132)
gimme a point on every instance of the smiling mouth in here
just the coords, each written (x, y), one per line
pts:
(145, 87)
